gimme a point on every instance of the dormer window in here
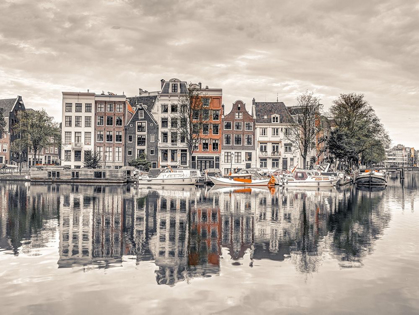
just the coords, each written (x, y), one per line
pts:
(238, 107)
(174, 88)
(275, 118)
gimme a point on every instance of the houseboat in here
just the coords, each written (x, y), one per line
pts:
(371, 178)
(172, 177)
(308, 178)
(80, 175)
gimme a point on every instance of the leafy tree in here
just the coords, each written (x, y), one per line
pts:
(191, 119)
(37, 130)
(92, 159)
(141, 163)
(307, 124)
(359, 133)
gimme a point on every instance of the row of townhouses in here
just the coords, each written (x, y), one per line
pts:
(121, 128)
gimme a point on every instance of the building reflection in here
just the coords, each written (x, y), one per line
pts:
(182, 230)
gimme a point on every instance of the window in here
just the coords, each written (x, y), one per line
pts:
(118, 136)
(77, 156)
(263, 131)
(130, 138)
(237, 157)
(100, 107)
(275, 147)
(275, 118)
(164, 122)
(88, 121)
(67, 139)
(238, 125)
(227, 157)
(100, 120)
(275, 163)
(249, 126)
(205, 145)
(108, 154)
(287, 131)
(237, 139)
(99, 136)
(227, 125)
(130, 152)
(205, 129)
(205, 101)
(152, 138)
(214, 145)
(249, 139)
(140, 152)
(227, 139)
(141, 141)
(164, 155)
(174, 88)
(182, 138)
(195, 114)
(216, 115)
(173, 122)
(173, 108)
(88, 107)
(77, 137)
(238, 115)
(109, 121)
(79, 107)
(288, 147)
(78, 121)
(215, 129)
(248, 156)
(118, 154)
(263, 163)
(205, 114)
(141, 126)
(164, 137)
(87, 138)
(119, 108)
(151, 151)
(67, 155)
(173, 137)
(109, 136)
(99, 151)
(68, 107)
(109, 107)
(195, 128)
(68, 120)
(164, 108)
(118, 121)
(263, 147)
(275, 131)
(173, 155)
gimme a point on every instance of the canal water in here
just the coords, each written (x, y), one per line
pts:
(74, 249)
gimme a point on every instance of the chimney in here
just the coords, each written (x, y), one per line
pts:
(253, 101)
(200, 85)
(162, 83)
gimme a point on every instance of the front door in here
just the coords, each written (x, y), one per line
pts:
(284, 163)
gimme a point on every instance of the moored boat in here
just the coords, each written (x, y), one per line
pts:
(172, 177)
(244, 178)
(371, 178)
(308, 178)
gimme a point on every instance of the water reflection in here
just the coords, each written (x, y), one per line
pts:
(183, 229)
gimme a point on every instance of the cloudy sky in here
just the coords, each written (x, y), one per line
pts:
(257, 49)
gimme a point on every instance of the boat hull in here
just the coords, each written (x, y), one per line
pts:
(370, 180)
(167, 181)
(230, 182)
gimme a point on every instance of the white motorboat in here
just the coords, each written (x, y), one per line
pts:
(303, 178)
(371, 178)
(171, 177)
(243, 178)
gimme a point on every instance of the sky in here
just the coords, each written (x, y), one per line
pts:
(251, 49)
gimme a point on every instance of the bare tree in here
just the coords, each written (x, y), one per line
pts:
(307, 124)
(191, 119)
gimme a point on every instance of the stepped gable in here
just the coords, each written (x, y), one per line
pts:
(264, 110)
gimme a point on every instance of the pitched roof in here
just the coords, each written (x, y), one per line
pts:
(264, 110)
(166, 86)
(143, 99)
(7, 105)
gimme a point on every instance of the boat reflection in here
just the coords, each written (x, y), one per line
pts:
(183, 229)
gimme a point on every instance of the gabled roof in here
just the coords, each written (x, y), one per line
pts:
(146, 111)
(7, 105)
(145, 100)
(264, 110)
